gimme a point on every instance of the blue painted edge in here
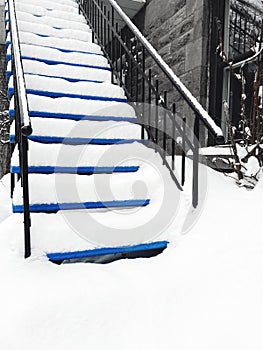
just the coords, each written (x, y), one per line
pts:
(107, 251)
(71, 80)
(12, 138)
(64, 63)
(53, 94)
(55, 207)
(62, 50)
(76, 116)
(61, 94)
(76, 170)
(80, 141)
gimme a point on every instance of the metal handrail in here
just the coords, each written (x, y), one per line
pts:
(189, 98)
(22, 123)
(246, 61)
(127, 51)
(26, 128)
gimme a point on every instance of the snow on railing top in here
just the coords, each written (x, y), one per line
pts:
(26, 128)
(190, 99)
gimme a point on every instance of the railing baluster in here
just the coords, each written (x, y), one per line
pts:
(22, 120)
(195, 162)
(173, 135)
(27, 221)
(157, 113)
(183, 152)
(143, 93)
(150, 96)
(164, 124)
(127, 58)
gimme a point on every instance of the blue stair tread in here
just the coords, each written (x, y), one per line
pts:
(55, 94)
(55, 207)
(54, 62)
(77, 117)
(76, 141)
(107, 251)
(75, 170)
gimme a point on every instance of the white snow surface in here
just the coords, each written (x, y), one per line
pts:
(42, 11)
(203, 292)
(49, 84)
(83, 129)
(43, 29)
(46, 53)
(62, 5)
(63, 71)
(62, 155)
(55, 22)
(58, 43)
(79, 107)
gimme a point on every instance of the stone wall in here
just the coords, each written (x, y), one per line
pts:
(179, 30)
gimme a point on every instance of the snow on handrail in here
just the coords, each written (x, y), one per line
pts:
(247, 60)
(190, 99)
(26, 128)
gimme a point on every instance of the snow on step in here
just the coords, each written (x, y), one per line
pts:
(82, 158)
(54, 188)
(51, 21)
(41, 11)
(56, 87)
(61, 70)
(43, 29)
(66, 6)
(53, 56)
(84, 129)
(40, 106)
(58, 43)
(76, 231)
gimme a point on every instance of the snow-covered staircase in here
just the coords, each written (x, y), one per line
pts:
(85, 152)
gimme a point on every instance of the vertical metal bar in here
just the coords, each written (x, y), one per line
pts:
(116, 48)
(130, 71)
(143, 93)
(112, 42)
(27, 222)
(109, 36)
(137, 75)
(12, 184)
(195, 162)
(157, 112)
(105, 27)
(92, 21)
(98, 20)
(173, 135)
(183, 152)
(150, 97)
(101, 24)
(164, 125)
(121, 63)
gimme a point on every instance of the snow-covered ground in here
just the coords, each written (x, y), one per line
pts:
(204, 292)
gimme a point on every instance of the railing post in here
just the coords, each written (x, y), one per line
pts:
(195, 162)
(183, 151)
(27, 221)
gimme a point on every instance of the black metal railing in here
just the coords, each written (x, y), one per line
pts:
(22, 121)
(147, 79)
(245, 28)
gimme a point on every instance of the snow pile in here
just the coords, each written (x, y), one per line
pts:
(205, 292)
